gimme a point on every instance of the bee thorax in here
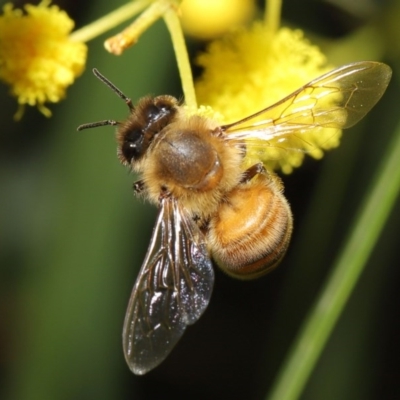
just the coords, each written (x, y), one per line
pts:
(188, 161)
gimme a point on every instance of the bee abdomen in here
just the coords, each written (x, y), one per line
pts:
(250, 234)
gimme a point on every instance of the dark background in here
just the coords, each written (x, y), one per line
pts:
(72, 238)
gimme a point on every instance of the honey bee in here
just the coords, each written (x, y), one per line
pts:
(210, 207)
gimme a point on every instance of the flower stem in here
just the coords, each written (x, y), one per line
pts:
(347, 269)
(272, 15)
(109, 21)
(129, 36)
(175, 29)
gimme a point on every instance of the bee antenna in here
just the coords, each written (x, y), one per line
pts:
(96, 124)
(103, 79)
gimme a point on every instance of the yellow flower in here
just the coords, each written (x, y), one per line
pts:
(254, 68)
(37, 59)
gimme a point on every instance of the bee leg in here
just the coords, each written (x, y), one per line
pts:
(165, 193)
(138, 187)
(251, 172)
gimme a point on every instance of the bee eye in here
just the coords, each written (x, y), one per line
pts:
(159, 112)
(132, 148)
(153, 113)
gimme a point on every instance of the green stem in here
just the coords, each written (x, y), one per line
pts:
(348, 267)
(109, 21)
(175, 29)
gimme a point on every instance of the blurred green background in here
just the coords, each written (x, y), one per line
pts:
(72, 238)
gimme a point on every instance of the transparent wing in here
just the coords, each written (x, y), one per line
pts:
(338, 99)
(172, 290)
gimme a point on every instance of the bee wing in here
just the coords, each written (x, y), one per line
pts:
(172, 290)
(338, 99)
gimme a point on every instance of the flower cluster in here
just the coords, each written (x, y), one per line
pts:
(37, 59)
(253, 68)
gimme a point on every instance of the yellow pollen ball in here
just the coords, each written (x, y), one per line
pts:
(208, 19)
